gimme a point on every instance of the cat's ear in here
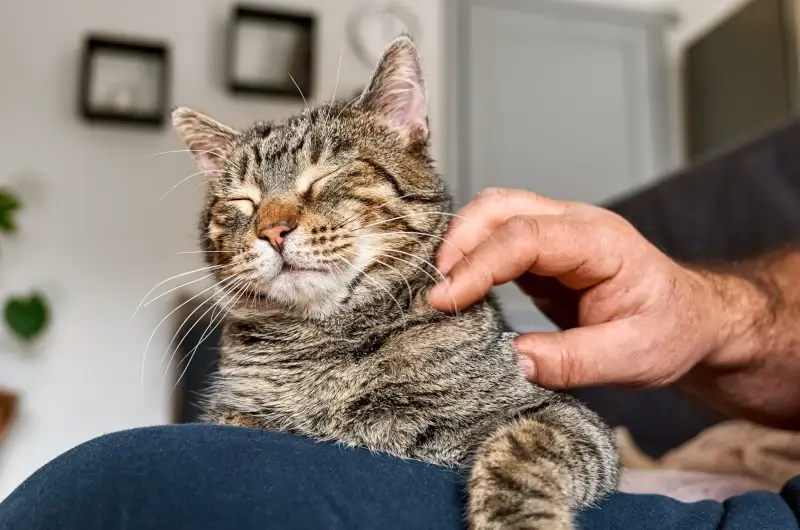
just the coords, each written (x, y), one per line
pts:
(209, 140)
(396, 90)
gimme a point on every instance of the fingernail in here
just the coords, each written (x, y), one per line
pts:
(526, 366)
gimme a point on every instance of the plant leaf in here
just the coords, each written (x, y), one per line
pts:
(27, 316)
(8, 205)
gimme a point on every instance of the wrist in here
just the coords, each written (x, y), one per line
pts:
(737, 309)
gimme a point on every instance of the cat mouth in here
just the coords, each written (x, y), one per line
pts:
(293, 269)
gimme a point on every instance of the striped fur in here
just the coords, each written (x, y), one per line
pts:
(350, 351)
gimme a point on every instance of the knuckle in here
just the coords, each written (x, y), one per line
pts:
(493, 195)
(617, 223)
(601, 216)
(524, 226)
(492, 191)
(485, 277)
(568, 363)
(475, 274)
(606, 238)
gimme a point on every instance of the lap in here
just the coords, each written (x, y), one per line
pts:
(212, 477)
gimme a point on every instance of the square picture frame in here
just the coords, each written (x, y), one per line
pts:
(124, 80)
(270, 52)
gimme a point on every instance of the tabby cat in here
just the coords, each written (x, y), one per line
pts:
(322, 229)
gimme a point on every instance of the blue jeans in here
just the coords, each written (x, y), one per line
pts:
(210, 477)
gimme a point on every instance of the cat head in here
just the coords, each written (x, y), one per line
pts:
(337, 207)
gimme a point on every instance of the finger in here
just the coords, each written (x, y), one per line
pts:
(582, 357)
(487, 211)
(570, 249)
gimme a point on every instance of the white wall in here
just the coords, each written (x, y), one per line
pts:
(94, 235)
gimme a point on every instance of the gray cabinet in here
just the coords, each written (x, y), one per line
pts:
(741, 76)
(563, 99)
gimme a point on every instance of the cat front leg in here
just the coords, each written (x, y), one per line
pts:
(532, 473)
(233, 418)
(240, 419)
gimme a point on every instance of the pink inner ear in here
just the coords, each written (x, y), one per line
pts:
(207, 151)
(414, 109)
(207, 162)
(397, 90)
(404, 103)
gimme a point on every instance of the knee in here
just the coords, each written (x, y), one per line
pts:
(114, 451)
(86, 481)
(95, 466)
(125, 460)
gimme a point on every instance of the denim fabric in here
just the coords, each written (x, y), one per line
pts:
(204, 477)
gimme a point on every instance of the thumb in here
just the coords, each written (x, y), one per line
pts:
(581, 357)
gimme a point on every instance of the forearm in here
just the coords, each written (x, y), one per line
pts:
(754, 369)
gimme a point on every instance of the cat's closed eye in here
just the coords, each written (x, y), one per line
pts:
(326, 176)
(318, 181)
(245, 205)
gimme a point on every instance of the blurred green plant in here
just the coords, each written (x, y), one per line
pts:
(26, 316)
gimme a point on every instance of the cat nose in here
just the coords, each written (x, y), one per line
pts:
(274, 233)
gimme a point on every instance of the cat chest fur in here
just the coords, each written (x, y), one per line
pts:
(414, 394)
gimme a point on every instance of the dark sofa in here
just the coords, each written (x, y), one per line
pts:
(731, 206)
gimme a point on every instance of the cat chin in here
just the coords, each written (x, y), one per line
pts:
(309, 291)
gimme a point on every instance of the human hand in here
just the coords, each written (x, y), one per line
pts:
(630, 315)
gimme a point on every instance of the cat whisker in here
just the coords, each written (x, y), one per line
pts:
(415, 214)
(405, 280)
(176, 288)
(444, 214)
(384, 289)
(202, 252)
(247, 298)
(412, 233)
(301, 92)
(215, 152)
(408, 285)
(381, 250)
(443, 240)
(335, 87)
(161, 322)
(359, 215)
(201, 269)
(207, 333)
(357, 98)
(429, 275)
(187, 178)
(168, 152)
(189, 357)
(228, 289)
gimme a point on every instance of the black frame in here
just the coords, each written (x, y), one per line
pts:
(305, 22)
(159, 50)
